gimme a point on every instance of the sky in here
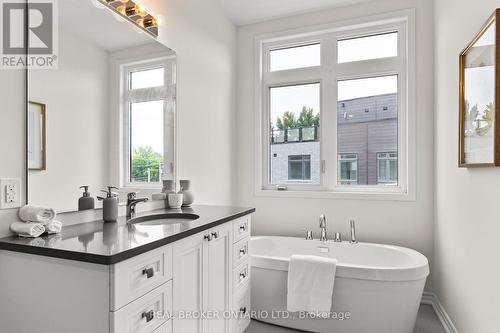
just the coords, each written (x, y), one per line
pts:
(147, 124)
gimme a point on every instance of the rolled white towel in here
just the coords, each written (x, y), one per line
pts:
(28, 229)
(30, 213)
(53, 227)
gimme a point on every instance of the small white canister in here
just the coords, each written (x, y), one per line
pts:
(175, 200)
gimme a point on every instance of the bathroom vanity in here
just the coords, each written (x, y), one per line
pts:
(176, 276)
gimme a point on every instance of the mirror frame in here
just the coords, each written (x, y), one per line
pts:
(462, 103)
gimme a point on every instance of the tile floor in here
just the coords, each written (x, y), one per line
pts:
(427, 322)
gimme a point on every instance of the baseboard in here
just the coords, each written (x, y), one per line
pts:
(431, 299)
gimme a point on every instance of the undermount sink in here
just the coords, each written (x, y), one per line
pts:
(159, 219)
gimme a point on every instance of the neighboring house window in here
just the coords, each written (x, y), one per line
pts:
(348, 166)
(387, 168)
(342, 88)
(148, 114)
(299, 167)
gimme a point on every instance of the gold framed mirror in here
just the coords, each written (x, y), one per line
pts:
(479, 93)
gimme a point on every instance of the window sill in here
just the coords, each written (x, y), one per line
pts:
(346, 195)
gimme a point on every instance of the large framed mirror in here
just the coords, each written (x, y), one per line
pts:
(479, 98)
(108, 110)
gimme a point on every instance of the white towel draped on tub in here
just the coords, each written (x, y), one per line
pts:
(27, 229)
(30, 213)
(310, 283)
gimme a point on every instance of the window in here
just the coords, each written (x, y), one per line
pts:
(295, 121)
(146, 142)
(387, 168)
(369, 47)
(348, 166)
(148, 123)
(364, 125)
(336, 110)
(295, 57)
(299, 167)
(148, 78)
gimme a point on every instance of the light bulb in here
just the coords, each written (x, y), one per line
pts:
(141, 11)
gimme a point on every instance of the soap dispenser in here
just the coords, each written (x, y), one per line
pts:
(86, 202)
(110, 205)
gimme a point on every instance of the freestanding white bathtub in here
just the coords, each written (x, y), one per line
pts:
(377, 288)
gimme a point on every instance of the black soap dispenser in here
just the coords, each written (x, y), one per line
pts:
(110, 205)
(86, 202)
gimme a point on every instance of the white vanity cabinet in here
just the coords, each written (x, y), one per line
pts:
(194, 285)
(205, 287)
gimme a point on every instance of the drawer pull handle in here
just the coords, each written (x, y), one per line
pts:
(215, 235)
(149, 272)
(243, 310)
(148, 315)
(243, 227)
(242, 276)
(207, 237)
(243, 251)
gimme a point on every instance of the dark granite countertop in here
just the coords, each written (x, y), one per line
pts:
(109, 243)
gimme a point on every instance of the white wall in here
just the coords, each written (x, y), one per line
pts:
(205, 42)
(466, 270)
(404, 223)
(77, 126)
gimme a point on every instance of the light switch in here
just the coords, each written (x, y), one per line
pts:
(10, 193)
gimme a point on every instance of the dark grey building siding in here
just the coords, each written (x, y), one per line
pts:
(367, 126)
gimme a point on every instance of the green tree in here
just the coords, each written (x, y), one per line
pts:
(146, 164)
(307, 118)
(287, 121)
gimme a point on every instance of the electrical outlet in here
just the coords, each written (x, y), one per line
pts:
(10, 193)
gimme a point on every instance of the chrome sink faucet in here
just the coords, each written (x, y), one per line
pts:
(322, 225)
(132, 201)
(353, 233)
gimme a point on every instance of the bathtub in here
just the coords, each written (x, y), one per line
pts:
(377, 287)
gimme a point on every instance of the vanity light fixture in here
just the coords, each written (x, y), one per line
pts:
(134, 13)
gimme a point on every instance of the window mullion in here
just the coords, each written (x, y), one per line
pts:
(329, 112)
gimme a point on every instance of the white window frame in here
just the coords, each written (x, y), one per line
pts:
(385, 158)
(126, 97)
(327, 75)
(349, 159)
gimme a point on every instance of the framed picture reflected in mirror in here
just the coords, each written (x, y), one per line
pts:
(37, 140)
(479, 93)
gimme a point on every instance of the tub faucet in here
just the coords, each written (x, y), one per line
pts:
(322, 225)
(132, 201)
(353, 232)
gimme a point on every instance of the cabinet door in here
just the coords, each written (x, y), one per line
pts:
(190, 284)
(219, 277)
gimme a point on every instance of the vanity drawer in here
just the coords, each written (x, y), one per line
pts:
(145, 314)
(132, 278)
(241, 276)
(240, 251)
(242, 307)
(241, 228)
